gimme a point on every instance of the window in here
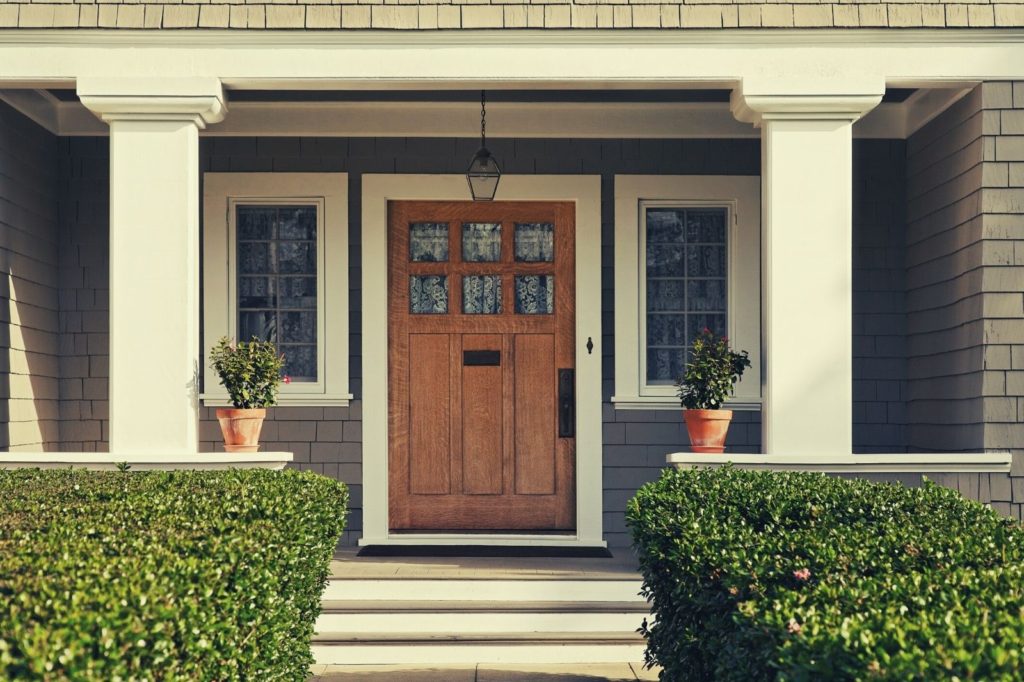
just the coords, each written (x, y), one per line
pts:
(276, 268)
(686, 258)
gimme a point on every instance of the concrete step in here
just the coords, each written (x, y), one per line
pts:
(370, 606)
(456, 623)
(465, 589)
(512, 647)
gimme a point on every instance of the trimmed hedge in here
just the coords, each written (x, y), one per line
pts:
(801, 576)
(200, 575)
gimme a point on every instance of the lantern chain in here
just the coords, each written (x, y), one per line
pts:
(483, 118)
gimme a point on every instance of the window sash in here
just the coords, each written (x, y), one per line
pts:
(666, 387)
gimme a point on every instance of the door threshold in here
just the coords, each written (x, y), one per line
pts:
(465, 542)
(419, 550)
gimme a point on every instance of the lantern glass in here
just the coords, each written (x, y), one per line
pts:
(483, 176)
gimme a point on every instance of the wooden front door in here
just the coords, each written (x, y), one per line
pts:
(481, 326)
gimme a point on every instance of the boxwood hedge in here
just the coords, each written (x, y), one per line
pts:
(801, 576)
(213, 575)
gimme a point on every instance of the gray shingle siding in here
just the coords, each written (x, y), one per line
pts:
(965, 275)
(29, 409)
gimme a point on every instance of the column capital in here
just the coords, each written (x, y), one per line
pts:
(199, 100)
(840, 99)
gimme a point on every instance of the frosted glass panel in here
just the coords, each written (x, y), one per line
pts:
(535, 294)
(481, 294)
(535, 242)
(428, 242)
(706, 294)
(277, 281)
(428, 294)
(300, 361)
(665, 365)
(481, 242)
(685, 280)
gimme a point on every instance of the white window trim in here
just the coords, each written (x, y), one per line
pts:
(741, 195)
(329, 192)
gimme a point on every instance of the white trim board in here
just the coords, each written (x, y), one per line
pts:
(799, 60)
(947, 463)
(104, 461)
(585, 191)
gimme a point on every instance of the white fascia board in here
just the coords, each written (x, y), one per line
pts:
(988, 462)
(513, 59)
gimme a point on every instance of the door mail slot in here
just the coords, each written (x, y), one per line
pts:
(481, 358)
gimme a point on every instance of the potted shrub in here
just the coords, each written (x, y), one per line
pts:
(251, 373)
(709, 379)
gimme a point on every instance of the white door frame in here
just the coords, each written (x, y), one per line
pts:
(585, 192)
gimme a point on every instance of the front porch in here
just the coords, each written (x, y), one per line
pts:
(849, 201)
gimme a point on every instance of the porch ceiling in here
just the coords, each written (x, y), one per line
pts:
(656, 113)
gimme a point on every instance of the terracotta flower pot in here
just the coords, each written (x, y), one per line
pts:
(707, 429)
(241, 428)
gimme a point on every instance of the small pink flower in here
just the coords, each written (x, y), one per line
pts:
(286, 379)
(802, 574)
(794, 627)
(706, 331)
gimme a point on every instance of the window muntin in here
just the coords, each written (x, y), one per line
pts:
(684, 283)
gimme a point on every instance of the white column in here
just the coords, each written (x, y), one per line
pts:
(154, 256)
(807, 261)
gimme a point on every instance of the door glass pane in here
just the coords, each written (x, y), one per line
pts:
(277, 282)
(428, 294)
(535, 242)
(481, 294)
(481, 242)
(685, 273)
(428, 242)
(535, 294)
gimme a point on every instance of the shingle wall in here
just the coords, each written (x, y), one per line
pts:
(945, 163)
(965, 275)
(512, 14)
(29, 364)
(965, 286)
(879, 302)
(328, 440)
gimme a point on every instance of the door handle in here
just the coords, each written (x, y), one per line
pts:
(566, 403)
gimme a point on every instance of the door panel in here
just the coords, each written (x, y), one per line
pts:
(481, 314)
(482, 417)
(429, 415)
(535, 420)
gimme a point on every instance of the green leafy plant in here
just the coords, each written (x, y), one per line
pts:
(711, 374)
(757, 575)
(153, 575)
(250, 371)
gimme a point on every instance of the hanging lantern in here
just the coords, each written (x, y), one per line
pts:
(483, 173)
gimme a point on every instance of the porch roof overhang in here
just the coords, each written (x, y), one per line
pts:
(550, 59)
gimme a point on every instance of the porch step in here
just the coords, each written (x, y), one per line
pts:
(448, 611)
(530, 589)
(433, 650)
(447, 619)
